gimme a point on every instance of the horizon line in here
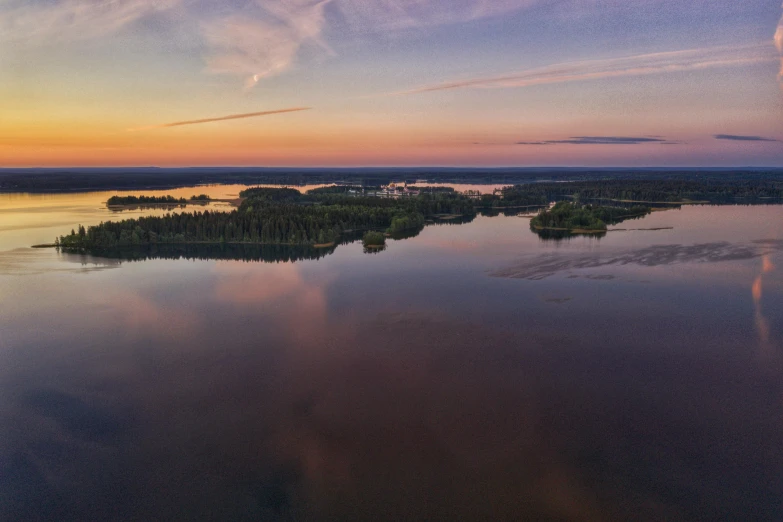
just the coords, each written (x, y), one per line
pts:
(394, 167)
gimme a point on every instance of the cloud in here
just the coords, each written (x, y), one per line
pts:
(779, 36)
(365, 16)
(779, 44)
(257, 39)
(600, 140)
(637, 65)
(68, 20)
(221, 118)
(733, 137)
(264, 40)
(254, 39)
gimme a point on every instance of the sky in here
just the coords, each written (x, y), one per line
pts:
(391, 82)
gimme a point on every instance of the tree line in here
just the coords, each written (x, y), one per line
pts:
(73, 179)
(637, 190)
(271, 216)
(153, 200)
(285, 216)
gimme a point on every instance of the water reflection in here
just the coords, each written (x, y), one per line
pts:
(217, 251)
(560, 235)
(407, 386)
(548, 265)
(762, 324)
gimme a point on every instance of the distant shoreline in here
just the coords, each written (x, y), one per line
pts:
(70, 180)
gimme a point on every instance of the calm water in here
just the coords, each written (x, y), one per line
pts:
(473, 372)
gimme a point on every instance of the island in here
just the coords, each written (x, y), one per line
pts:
(325, 217)
(276, 216)
(374, 239)
(125, 202)
(575, 218)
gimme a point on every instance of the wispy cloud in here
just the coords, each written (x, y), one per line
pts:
(253, 39)
(256, 39)
(734, 137)
(779, 45)
(220, 118)
(364, 16)
(67, 20)
(600, 140)
(637, 65)
(265, 39)
(268, 35)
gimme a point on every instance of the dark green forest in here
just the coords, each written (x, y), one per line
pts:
(648, 191)
(373, 238)
(573, 216)
(273, 216)
(154, 200)
(145, 200)
(285, 216)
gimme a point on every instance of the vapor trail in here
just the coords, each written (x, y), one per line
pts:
(779, 45)
(220, 118)
(638, 65)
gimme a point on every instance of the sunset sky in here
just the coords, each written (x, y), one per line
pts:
(391, 82)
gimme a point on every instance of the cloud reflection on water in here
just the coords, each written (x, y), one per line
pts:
(548, 265)
(762, 324)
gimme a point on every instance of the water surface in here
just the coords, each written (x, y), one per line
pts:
(471, 372)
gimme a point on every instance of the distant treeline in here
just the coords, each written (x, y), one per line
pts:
(273, 216)
(345, 189)
(153, 200)
(648, 191)
(432, 190)
(572, 216)
(355, 189)
(145, 200)
(87, 179)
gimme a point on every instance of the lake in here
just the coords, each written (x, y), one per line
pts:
(473, 372)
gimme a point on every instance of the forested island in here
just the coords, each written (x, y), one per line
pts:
(274, 216)
(374, 239)
(323, 217)
(575, 218)
(151, 201)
